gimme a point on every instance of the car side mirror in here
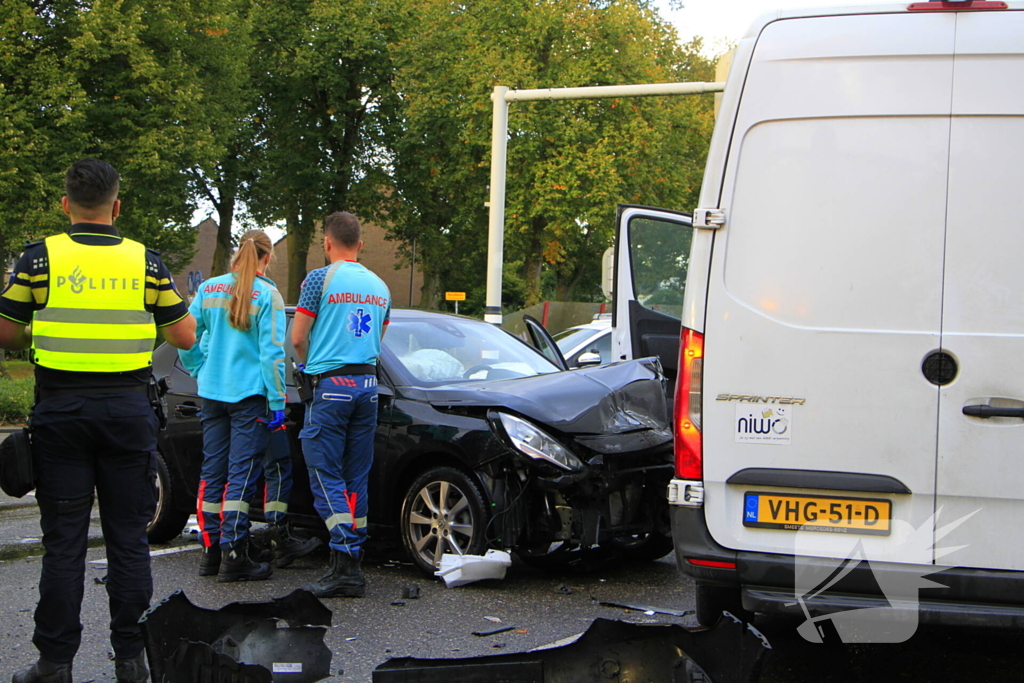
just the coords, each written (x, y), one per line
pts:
(588, 359)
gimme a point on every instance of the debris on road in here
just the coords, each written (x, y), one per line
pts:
(493, 620)
(564, 589)
(649, 610)
(493, 631)
(731, 652)
(243, 641)
(458, 570)
(411, 592)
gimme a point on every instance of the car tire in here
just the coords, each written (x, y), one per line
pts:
(651, 547)
(712, 600)
(168, 522)
(443, 511)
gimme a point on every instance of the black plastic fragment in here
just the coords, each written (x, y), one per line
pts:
(493, 631)
(246, 631)
(648, 608)
(193, 662)
(731, 652)
(411, 592)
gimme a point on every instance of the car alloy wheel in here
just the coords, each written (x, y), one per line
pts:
(168, 522)
(443, 512)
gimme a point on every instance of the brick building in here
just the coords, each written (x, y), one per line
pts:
(379, 255)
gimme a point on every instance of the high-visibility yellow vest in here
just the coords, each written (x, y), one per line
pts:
(95, 318)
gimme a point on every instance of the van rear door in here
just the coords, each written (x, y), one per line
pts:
(652, 254)
(825, 287)
(981, 456)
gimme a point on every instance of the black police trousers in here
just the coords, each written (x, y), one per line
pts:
(82, 443)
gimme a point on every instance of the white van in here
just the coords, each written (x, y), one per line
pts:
(852, 361)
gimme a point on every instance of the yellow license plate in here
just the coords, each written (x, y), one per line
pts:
(832, 514)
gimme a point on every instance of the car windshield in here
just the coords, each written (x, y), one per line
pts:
(569, 339)
(457, 350)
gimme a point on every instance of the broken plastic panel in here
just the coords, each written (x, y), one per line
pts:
(246, 632)
(731, 652)
(458, 570)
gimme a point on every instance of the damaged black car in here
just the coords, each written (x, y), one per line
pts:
(482, 442)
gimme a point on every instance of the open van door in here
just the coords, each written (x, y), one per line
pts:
(652, 252)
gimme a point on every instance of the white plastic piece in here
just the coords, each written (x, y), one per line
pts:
(458, 570)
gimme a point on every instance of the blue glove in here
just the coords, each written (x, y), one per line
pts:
(301, 367)
(277, 422)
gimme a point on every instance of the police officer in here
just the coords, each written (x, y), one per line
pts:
(94, 301)
(340, 319)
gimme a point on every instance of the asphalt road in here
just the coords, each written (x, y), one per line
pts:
(368, 631)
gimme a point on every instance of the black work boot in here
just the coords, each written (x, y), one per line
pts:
(132, 670)
(209, 563)
(344, 580)
(257, 553)
(236, 565)
(44, 671)
(288, 547)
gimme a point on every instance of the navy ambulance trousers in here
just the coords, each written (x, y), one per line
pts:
(337, 444)
(104, 443)
(235, 437)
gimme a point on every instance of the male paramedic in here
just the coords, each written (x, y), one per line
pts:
(94, 301)
(341, 316)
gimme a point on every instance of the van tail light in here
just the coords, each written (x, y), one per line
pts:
(689, 446)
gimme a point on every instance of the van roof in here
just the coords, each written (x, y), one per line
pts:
(838, 10)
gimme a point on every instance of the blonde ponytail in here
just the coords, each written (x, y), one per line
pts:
(254, 245)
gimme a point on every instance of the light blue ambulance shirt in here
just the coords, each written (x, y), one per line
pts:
(231, 364)
(352, 306)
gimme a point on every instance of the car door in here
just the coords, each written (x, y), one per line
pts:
(981, 410)
(542, 340)
(652, 255)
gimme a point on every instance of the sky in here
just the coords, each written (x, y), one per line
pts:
(721, 22)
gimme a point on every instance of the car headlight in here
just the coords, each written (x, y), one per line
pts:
(531, 441)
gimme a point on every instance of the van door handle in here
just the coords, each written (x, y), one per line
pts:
(986, 412)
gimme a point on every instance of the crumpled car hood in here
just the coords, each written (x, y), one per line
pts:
(595, 404)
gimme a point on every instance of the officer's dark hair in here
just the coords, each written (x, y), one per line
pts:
(90, 183)
(343, 228)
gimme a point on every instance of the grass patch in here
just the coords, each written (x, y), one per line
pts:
(16, 399)
(19, 369)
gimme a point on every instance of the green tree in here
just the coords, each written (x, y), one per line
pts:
(569, 162)
(41, 125)
(223, 51)
(324, 83)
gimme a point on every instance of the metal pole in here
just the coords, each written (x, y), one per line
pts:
(499, 148)
(496, 214)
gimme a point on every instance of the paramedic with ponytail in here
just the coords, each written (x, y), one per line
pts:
(238, 361)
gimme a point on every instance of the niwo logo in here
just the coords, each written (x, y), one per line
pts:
(900, 585)
(769, 424)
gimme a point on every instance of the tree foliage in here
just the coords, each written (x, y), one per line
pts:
(297, 108)
(569, 162)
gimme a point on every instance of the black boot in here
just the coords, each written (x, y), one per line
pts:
(288, 547)
(132, 670)
(236, 565)
(44, 671)
(343, 580)
(209, 563)
(257, 553)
